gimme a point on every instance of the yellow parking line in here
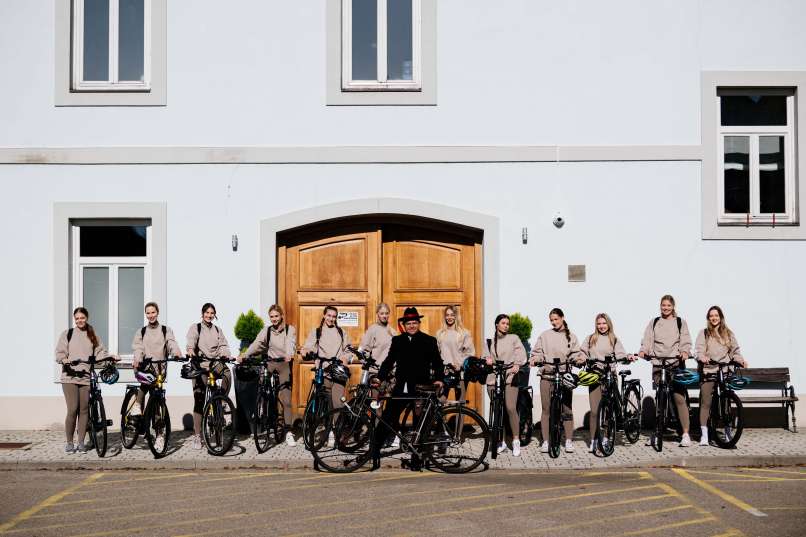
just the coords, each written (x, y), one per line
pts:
(642, 473)
(785, 508)
(759, 480)
(618, 517)
(730, 533)
(152, 528)
(149, 478)
(670, 526)
(25, 515)
(732, 474)
(744, 506)
(770, 470)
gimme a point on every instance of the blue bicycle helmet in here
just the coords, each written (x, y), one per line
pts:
(686, 377)
(109, 374)
(737, 382)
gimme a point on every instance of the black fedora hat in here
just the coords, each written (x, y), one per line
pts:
(410, 314)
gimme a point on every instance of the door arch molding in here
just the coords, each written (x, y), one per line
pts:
(488, 225)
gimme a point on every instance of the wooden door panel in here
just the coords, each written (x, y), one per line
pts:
(338, 265)
(427, 266)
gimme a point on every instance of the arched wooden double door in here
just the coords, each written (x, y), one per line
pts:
(355, 264)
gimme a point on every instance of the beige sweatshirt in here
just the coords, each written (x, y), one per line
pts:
(330, 344)
(377, 340)
(509, 350)
(211, 342)
(665, 340)
(601, 348)
(553, 344)
(455, 347)
(79, 348)
(153, 345)
(282, 344)
(716, 351)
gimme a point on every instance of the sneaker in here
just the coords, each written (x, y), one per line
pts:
(159, 443)
(569, 446)
(197, 443)
(544, 447)
(81, 448)
(704, 441)
(69, 447)
(685, 441)
(502, 448)
(592, 447)
(331, 439)
(516, 448)
(396, 442)
(290, 441)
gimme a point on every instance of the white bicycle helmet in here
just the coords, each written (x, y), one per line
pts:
(144, 378)
(569, 380)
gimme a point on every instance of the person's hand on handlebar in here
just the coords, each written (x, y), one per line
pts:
(439, 384)
(515, 368)
(632, 357)
(684, 356)
(642, 354)
(489, 360)
(703, 359)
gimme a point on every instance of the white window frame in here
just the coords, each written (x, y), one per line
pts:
(114, 264)
(113, 84)
(381, 84)
(755, 217)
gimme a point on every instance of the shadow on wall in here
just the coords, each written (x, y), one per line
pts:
(773, 417)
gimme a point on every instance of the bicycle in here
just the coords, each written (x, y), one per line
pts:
(618, 409)
(725, 422)
(556, 406)
(497, 405)
(318, 404)
(155, 421)
(453, 438)
(268, 418)
(218, 412)
(97, 423)
(664, 398)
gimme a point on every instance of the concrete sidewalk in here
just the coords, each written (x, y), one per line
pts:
(757, 447)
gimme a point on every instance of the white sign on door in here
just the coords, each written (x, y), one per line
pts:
(348, 318)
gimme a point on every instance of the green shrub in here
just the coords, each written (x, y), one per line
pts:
(248, 326)
(520, 325)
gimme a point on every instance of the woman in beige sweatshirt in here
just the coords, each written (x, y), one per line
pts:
(206, 340)
(455, 344)
(328, 340)
(78, 343)
(715, 344)
(603, 342)
(277, 340)
(668, 336)
(153, 341)
(557, 342)
(378, 337)
(507, 348)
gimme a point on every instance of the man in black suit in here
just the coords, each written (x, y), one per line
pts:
(417, 358)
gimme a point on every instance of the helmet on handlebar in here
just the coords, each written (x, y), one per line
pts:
(246, 373)
(686, 377)
(588, 378)
(191, 370)
(109, 374)
(569, 380)
(451, 379)
(144, 377)
(476, 369)
(338, 372)
(737, 382)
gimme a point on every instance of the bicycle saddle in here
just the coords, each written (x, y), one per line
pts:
(426, 388)
(625, 372)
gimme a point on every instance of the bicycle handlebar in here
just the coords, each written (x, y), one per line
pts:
(92, 360)
(263, 359)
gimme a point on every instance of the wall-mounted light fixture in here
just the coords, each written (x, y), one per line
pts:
(235, 243)
(525, 235)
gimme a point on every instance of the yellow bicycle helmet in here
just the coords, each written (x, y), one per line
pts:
(588, 378)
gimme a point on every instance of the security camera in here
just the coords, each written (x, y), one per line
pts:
(558, 221)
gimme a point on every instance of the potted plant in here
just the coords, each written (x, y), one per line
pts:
(247, 327)
(521, 326)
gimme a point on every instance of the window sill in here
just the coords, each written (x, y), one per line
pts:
(111, 98)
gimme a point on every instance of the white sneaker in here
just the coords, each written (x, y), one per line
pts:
(396, 443)
(704, 441)
(502, 448)
(544, 447)
(569, 446)
(592, 448)
(159, 443)
(331, 439)
(197, 444)
(290, 441)
(516, 448)
(685, 441)
(69, 447)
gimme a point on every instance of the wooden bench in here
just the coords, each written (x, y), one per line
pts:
(767, 378)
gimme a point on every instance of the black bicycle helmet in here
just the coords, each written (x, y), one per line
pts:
(451, 379)
(476, 369)
(338, 372)
(191, 370)
(109, 374)
(246, 373)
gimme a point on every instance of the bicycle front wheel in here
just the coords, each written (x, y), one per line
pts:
(218, 425)
(316, 411)
(263, 423)
(97, 427)
(606, 427)
(497, 429)
(555, 426)
(458, 441)
(526, 425)
(661, 402)
(129, 424)
(349, 448)
(632, 414)
(725, 425)
(158, 428)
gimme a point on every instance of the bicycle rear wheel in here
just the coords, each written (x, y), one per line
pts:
(606, 427)
(97, 427)
(497, 429)
(158, 428)
(218, 425)
(725, 425)
(129, 424)
(632, 414)
(351, 449)
(458, 440)
(661, 402)
(263, 423)
(555, 426)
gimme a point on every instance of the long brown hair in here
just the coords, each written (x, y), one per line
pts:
(561, 315)
(498, 318)
(722, 332)
(90, 330)
(610, 334)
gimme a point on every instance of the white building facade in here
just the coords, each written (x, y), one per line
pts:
(142, 139)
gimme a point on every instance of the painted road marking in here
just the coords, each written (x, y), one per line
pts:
(617, 517)
(25, 515)
(670, 526)
(744, 506)
(770, 470)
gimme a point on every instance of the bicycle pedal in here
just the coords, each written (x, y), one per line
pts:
(108, 423)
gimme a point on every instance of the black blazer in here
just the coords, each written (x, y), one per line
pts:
(417, 359)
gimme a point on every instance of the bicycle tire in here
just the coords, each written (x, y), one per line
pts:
(555, 426)
(158, 428)
(279, 420)
(458, 449)
(347, 427)
(496, 431)
(315, 411)
(218, 425)
(725, 424)
(526, 427)
(660, 419)
(632, 414)
(606, 427)
(129, 425)
(262, 423)
(97, 427)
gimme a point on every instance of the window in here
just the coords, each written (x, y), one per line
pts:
(111, 45)
(111, 277)
(756, 147)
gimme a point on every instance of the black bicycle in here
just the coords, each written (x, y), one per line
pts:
(664, 398)
(618, 409)
(318, 404)
(218, 412)
(497, 406)
(268, 419)
(556, 404)
(97, 423)
(155, 421)
(725, 422)
(451, 438)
